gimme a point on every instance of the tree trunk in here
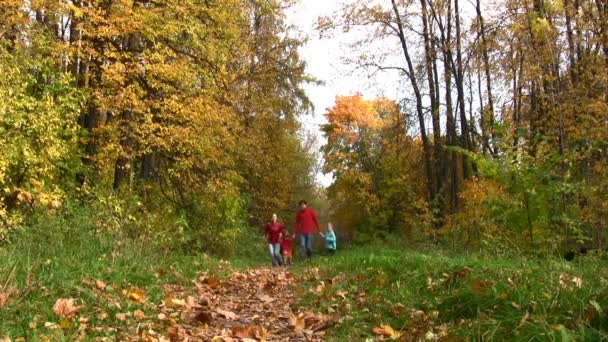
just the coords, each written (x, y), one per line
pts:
(489, 118)
(122, 169)
(466, 134)
(452, 169)
(570, 36)
(429, 62)
(419, 109)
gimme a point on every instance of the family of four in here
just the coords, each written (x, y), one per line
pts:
(280, 242)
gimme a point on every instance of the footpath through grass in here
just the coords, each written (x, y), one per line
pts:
(385, 292)
(374, 292)
(115, 281)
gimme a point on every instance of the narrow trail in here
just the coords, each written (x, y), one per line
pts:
(251, 305)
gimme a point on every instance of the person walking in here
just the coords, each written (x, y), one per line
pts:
(306, 222)
(330, 239)
(274, 233)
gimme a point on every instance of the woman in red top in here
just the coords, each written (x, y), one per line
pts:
(274, 233)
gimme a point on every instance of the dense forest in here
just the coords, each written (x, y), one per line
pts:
(167, 117)
(500, 137)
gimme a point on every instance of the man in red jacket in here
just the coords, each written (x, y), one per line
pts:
(306, 222)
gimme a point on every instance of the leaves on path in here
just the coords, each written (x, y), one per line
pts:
(252, 305)
(388, 331)
(252, 331)
(65, 307)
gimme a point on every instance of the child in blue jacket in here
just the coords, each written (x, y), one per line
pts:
(330, 239)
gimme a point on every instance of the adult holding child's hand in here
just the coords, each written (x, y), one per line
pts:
(306, 222)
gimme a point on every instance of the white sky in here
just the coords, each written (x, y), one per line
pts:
(322, 57)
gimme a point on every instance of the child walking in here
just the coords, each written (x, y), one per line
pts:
(330, 239)
(286, 246)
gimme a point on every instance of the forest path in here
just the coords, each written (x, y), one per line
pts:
(251, 305)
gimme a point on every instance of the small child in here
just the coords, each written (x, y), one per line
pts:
(286, 247)
(330, 239)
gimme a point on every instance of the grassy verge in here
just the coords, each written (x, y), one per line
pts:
(65, 257)
(429, 295)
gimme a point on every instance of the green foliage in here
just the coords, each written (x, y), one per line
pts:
(39, 134)
(520, 201)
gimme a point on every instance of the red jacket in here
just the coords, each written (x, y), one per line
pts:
(306, 221)
(287, 244)
(274, 231)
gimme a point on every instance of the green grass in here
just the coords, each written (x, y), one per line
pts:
(472, 297)
(51, 258)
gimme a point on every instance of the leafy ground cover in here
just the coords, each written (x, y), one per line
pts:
(387, 293)
(56, 285)
(118, 284)
(61, 280)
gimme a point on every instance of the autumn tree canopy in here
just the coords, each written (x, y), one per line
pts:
(165, 110)
(508, 101)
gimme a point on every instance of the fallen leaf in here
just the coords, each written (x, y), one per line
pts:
(569, 282)
(149, 336)
(139, 315)
(319, 289)
(100, 284)
(120, 317)
(174, 302)
(104, 329)
(397, 309)
(137, 295)
(297, 322)
(65, 307)
(388, 331)
(51, 325)
(251, 331)
(523, 320)
(479, 287)
(3, 298)
(418, 315)
(102, 315)
(191, 302)
(173, 332)
(203, 317)
(65, 323)
(83, 323)
(429, 282)
(227, 314)
(266, 298)
(381, 279)
(212, 282)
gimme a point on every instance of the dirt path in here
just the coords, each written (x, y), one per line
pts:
(252, 305)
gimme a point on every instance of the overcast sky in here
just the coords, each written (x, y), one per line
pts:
(323, 59)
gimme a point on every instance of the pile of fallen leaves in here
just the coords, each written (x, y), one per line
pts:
(253, 305)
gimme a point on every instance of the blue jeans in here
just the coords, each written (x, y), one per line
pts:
(275, 253)
(306, 245)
